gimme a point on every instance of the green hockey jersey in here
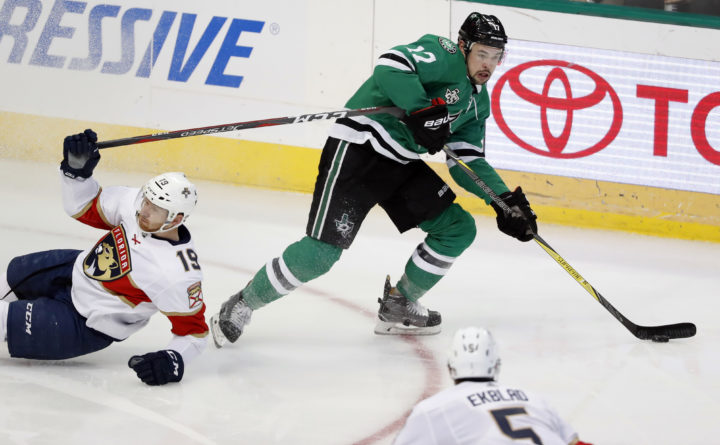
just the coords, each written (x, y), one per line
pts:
(409, 77)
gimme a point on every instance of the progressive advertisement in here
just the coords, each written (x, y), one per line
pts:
(162, 64)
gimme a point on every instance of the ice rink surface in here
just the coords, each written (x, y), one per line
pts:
(309, 369)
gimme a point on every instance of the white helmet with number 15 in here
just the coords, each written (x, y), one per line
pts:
(173, 192)
(473, 354)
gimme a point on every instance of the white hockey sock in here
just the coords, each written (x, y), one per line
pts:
(4, 307)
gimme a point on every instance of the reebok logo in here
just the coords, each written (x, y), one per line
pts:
(28, 318)
(443, 190)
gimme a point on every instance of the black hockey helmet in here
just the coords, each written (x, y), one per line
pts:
(484, 29)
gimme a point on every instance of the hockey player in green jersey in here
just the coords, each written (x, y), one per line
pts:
(375, 160)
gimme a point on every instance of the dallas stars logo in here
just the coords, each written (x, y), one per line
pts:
(453, 96)
(344, 225)
(447, 45)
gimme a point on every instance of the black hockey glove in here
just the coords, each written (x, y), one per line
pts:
(158, 368)
(80, 155)
(430, 126)
(520, 221)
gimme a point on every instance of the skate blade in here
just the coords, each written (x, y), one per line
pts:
(218, 337)
(390, 328)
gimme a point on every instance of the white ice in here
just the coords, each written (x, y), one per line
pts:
(309, 369)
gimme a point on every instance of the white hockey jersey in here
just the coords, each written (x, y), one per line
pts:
(484, 413)
(128, 276)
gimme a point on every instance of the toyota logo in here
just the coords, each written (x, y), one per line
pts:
(556, 145)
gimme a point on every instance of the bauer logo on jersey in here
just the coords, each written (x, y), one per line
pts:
(195, 296)
(110, 258)
(447, 45)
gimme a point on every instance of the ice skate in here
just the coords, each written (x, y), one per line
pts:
(398, 315)
(228, 324)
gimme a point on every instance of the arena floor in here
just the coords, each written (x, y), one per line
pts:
(309, 369)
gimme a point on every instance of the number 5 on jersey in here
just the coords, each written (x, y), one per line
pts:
(501, 418)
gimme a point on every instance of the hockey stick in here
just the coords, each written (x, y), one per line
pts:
(655, 333)
(397, 112)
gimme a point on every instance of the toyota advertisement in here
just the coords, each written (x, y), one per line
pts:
(607, 115)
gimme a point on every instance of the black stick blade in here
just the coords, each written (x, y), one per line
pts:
(657, 333)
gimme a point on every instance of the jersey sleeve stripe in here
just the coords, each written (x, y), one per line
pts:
(93, 215)
(466, 152)
(189, 324)
(396, 59)
(384, 144)
(182, 314)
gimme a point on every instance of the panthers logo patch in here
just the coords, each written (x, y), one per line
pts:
(110, 258)
(195, 295)
(448, 45)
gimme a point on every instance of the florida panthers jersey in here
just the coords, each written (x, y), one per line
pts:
(128, 276)
(487, 413)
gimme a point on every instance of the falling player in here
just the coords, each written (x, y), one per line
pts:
(60, 304)
(478, 409)
(375, 160)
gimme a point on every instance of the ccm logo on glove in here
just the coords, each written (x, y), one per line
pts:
(158, 368)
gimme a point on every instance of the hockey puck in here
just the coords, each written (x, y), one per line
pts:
(660, 338)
